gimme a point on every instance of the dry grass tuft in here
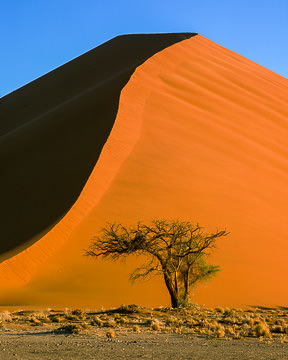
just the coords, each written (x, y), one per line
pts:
(220, 331)
(110, 323)
(123, 321)
(110, 334)
(41, 316)
(34, 321)
(79, 313)
(262, 329)
(229, 330)
(136, 328)
(5, 316)
(72, 328)
(155, 325)
(56, 318)
(219, 310)
(129, 309)
(97, 321)
(280, 322)
(172, 320)
(266, 324)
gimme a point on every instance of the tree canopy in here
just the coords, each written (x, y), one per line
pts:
(176, 250)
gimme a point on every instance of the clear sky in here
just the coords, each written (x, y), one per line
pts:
(37, 35)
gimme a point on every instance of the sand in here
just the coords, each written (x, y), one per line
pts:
(52, 132)
(44, 345)
(181, 336)
(200, 135)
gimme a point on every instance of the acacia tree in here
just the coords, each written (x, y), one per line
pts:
(176, 250)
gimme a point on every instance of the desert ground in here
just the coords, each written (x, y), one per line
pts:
(134, 332)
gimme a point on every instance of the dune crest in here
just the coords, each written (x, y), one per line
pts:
(52, 132)
(123, 137)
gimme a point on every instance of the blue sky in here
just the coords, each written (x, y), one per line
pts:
(37, 35)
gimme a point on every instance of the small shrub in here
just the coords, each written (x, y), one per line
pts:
(155, 325)
(75, 315)
(230, 320)
(228, 312)
(129, 309)
(71, 317)
(73, 328)
(56, 318)
(204, 323)
(34, 321)
(245, 330)
(262, 329)
(250, 321)
(85, 326)
(220, 331)
(149, 321)
(109, 323)
(5, 316)
(97, 321)
(123, 321)
(178, 330)
(219, 310)
(277, 329)
(280, 329)
(230, 330)
(136, 328)
(280, 322)
(41, 316)
(172, 320)
(78, 312)
(192, 322)
(110, 334)
(213, 325)
(69, 329)
(284, 340)
(238, 335)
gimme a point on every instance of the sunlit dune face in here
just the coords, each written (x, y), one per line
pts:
(201, 135)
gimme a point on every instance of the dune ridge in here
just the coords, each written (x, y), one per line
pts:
(18, 271)
(52, 132)
(209, 131)
(124, 135)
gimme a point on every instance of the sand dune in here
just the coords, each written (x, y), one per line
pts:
(53, 130)
(200, 134)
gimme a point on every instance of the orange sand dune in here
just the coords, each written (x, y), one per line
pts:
(53, 130)
(200, 134)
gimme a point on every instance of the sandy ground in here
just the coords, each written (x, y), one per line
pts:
(44, 344)
(133, 332)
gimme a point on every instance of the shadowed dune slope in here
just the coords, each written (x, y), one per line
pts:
(52, 132)
(200, 134)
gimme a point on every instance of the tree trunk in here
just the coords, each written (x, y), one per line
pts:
(174, 301)
(186, 287)
(173, 294)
